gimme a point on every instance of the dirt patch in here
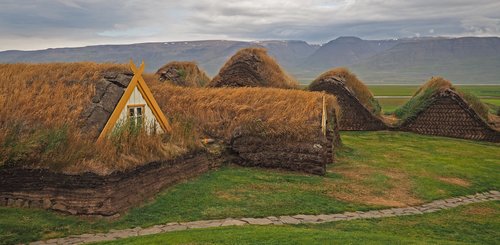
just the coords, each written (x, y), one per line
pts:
(481, 211)
(373, 187)
(227, 196)
(455, 181)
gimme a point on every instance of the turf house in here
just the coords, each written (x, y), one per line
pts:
(92, 139)
(359, 110)
(438, 108)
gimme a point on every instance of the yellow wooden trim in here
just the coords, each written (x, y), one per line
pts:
(118, 109)
(148, 96)
(137, 81)
(155, 108)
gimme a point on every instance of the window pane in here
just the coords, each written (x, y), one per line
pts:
(131, 112)
(139, 111)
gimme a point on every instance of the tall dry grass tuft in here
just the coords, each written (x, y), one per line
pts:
(48, 94)
(436, 84)
(183, 73)
(255, 69)
(218, 112)
(359, 89)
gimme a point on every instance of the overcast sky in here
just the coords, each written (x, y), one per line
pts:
(37, 24)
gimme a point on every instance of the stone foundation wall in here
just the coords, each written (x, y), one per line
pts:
(91, 194)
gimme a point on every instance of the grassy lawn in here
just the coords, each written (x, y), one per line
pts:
(492, 101)
(389, 105)
(393, 90)
(374, 170)
(472, 224)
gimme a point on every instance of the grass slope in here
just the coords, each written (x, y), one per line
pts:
(476, 223)
(374, 170)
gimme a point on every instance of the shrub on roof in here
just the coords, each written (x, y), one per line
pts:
(185, 74)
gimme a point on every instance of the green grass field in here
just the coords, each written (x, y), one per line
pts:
(472, 224)
(374, 170)
(389, 105)
(408, 90)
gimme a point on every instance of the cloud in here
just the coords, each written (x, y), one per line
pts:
(77, 22)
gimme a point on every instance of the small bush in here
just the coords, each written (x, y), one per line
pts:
(182, 73)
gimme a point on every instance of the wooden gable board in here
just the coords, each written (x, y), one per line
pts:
(137, 81)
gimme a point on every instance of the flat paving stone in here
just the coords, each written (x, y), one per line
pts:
(273, 218)
(326, 217)
(149, 231)
(289, 220)
(234, 222)
(204, 224)
(178, 227)
(258, 221)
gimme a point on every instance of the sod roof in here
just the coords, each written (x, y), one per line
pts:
(425, 94)
(343, 77)
(60, 93)
(217, 112)
(252, 67)
(185, 74)
(51, 115)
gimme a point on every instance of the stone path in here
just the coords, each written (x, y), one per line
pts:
(281, 220)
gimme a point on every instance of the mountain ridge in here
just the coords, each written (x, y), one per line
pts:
(407, 60)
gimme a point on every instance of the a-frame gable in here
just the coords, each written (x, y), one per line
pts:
(139, 83)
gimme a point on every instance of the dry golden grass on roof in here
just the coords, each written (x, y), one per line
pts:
(437, 84)
(217, 112)
(253, 67)
(41, 104)
(40, 112)
(351, 81)
(53, 93)
(183, 73)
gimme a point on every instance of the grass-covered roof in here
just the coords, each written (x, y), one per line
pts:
(253, 67)
(348, 79)
(424, 95)
(217, 112)
(183, 73)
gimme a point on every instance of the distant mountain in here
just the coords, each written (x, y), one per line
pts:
(345, 51)
(469, 60)
(463, 60)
